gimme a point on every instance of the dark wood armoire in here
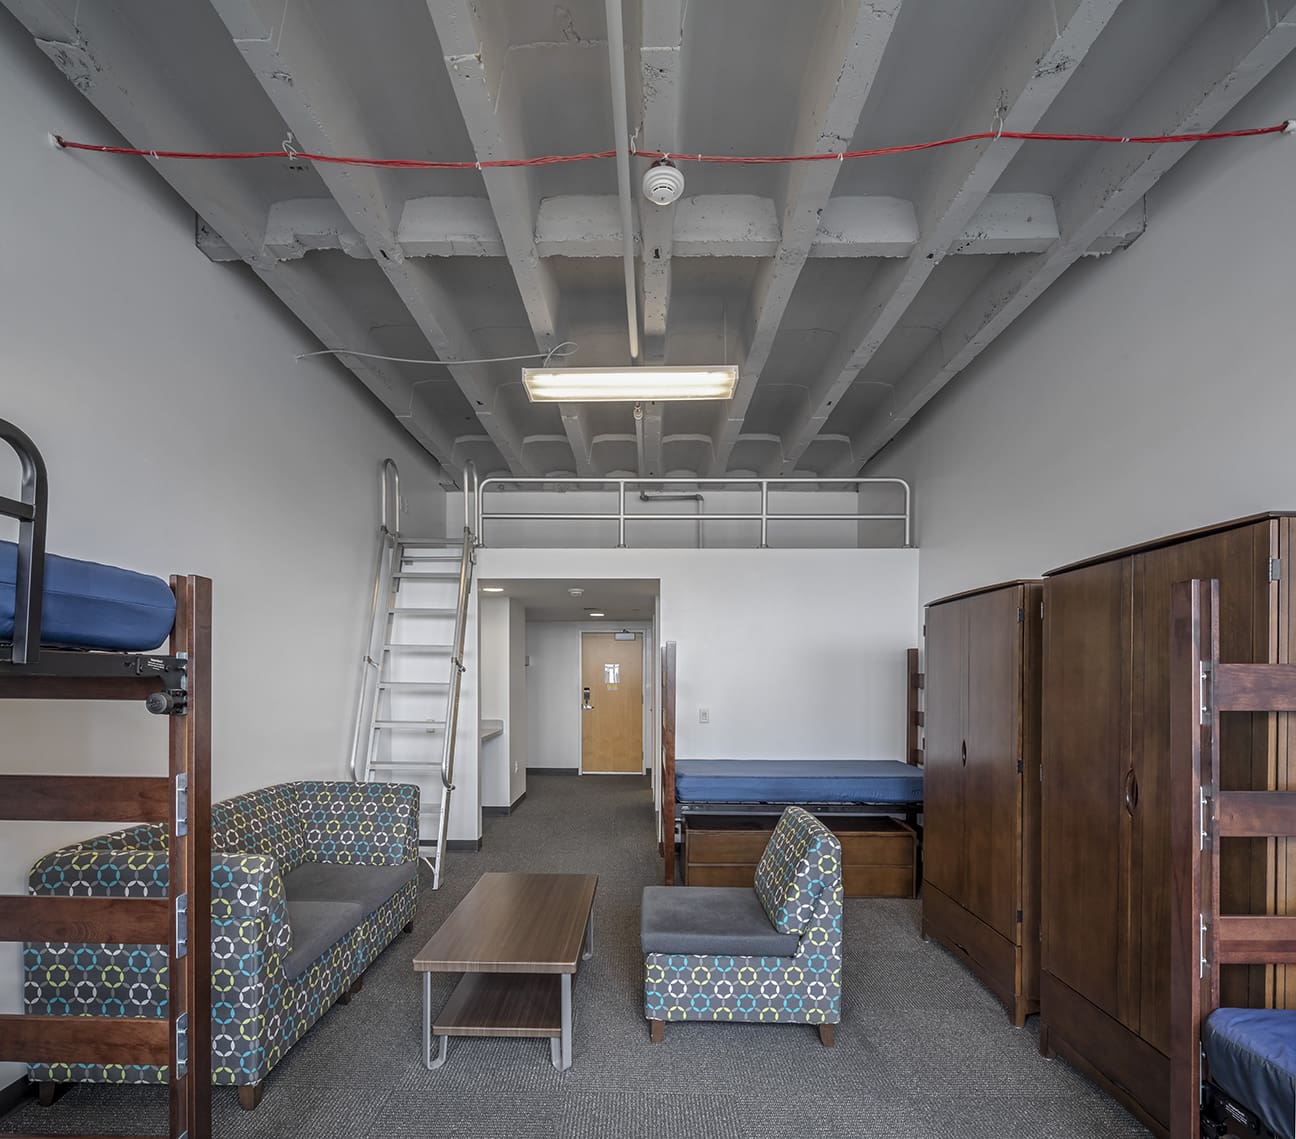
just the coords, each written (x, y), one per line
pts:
(981, 797)
(1105, 899)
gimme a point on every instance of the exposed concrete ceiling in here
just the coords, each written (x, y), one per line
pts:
(849, 294)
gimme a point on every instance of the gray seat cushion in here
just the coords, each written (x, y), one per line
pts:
(316, 926)
(710, 920)
(366, 886)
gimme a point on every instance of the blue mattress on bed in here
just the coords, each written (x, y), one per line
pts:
(86, 605)
(797, 781)
(1251, 1055)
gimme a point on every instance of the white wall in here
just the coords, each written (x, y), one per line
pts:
(503, 697)
(180, 437)
(797, 653)
(554, 717)
(1145, 393)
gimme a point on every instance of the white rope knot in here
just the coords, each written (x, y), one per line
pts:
(998, 124)
(288, 147)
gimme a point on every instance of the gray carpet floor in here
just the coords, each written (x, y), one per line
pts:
(923, 1049)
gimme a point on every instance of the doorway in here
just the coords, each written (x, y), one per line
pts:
(612, 703)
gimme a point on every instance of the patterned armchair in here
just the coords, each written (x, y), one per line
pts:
(770, 954)
(310, 882)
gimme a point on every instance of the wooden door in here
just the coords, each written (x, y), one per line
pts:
(992, 784)
(1086, 830)
(945, 691)
(612, 716)
(1240, 560)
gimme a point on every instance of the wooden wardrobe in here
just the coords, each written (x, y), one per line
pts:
(1104, 999)
(981, 805)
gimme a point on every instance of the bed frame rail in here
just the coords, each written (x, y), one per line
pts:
(1203, 939)
(30, 510)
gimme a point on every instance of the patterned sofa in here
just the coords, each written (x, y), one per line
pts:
(310, 882)
(772, 953)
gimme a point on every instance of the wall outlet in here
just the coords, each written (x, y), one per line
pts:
(704, 715)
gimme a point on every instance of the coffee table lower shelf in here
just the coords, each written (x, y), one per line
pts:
(502, 1004)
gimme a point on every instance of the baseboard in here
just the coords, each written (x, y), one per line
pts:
(553, 771)
(463, 844)
(12, 1095)
(513, 806)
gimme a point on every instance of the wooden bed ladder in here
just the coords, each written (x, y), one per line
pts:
(1203, 939)
(182, 799)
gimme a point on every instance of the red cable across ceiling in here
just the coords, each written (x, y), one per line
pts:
(290, 152)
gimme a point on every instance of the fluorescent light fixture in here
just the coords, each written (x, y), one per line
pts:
(593, 614)
(492, 589)
(632, 385)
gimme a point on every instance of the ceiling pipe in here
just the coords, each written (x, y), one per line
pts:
(621, 124)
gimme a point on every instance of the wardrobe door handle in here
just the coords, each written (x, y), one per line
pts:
(965, 753)
(1131, 791)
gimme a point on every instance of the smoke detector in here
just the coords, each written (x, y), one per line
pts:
(663, 183)
(575, 591)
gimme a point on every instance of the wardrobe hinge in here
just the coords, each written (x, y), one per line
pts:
(1041, 611)
(1204, 693)
(1021, 767)
(1021, 614)
(1275, 569)
(1019, 917)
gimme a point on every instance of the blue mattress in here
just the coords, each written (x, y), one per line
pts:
(1251, 1055)
(797, 781)
(90, 606)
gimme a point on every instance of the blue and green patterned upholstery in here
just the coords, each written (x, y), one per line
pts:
(258, 1011)
(799, 882)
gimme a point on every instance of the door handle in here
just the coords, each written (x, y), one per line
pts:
(586, 706)
(1131, 791)
(965, 753)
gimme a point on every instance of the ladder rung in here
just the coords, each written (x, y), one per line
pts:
(399, 611)
(98, 921)
(418, 646)
(446, 557)
(85, 1039)
(423, 765)
(437, 543)
(420, 576)
(427, 725)
(412, 685)
(1257, 814)
(1255, 940)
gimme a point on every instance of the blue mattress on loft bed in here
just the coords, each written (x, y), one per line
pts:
(797, 781)
(1251, 1055)
(86, 605)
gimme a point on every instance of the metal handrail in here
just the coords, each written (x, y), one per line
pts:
(763, 516)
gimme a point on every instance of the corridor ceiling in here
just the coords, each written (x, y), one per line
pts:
(848, 293)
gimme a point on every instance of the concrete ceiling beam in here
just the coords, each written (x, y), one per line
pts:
(291, 61)
(103, 61)
(449, 227)
(1232, 51)
(579, 225)
(1045, 50)
(851, 40)
(474, 50)
(299, 225)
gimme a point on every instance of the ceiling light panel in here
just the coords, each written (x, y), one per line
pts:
(628, 385)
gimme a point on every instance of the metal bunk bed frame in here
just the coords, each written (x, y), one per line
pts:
(176, 684)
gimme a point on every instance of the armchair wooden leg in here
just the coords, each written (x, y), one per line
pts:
(47, 1091)
(408, 927)
(827, 1035)
(657, 1031)
(356, 986)
(250, 1096)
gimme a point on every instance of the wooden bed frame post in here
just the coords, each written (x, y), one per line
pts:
(668, 760)
(190, 860)
(1194, 883)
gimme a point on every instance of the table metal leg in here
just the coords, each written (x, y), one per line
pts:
(555, 1051)
(589, 936)
(428, 1062)
(563, 1062)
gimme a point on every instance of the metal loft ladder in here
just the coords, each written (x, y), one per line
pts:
(407, 711)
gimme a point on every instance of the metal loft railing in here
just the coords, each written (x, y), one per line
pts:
(764, 515)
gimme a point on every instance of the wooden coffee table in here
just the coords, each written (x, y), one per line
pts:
(517, 938)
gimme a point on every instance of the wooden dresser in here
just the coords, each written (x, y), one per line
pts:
(878, 853)
(981, 808)
(1106, 839)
